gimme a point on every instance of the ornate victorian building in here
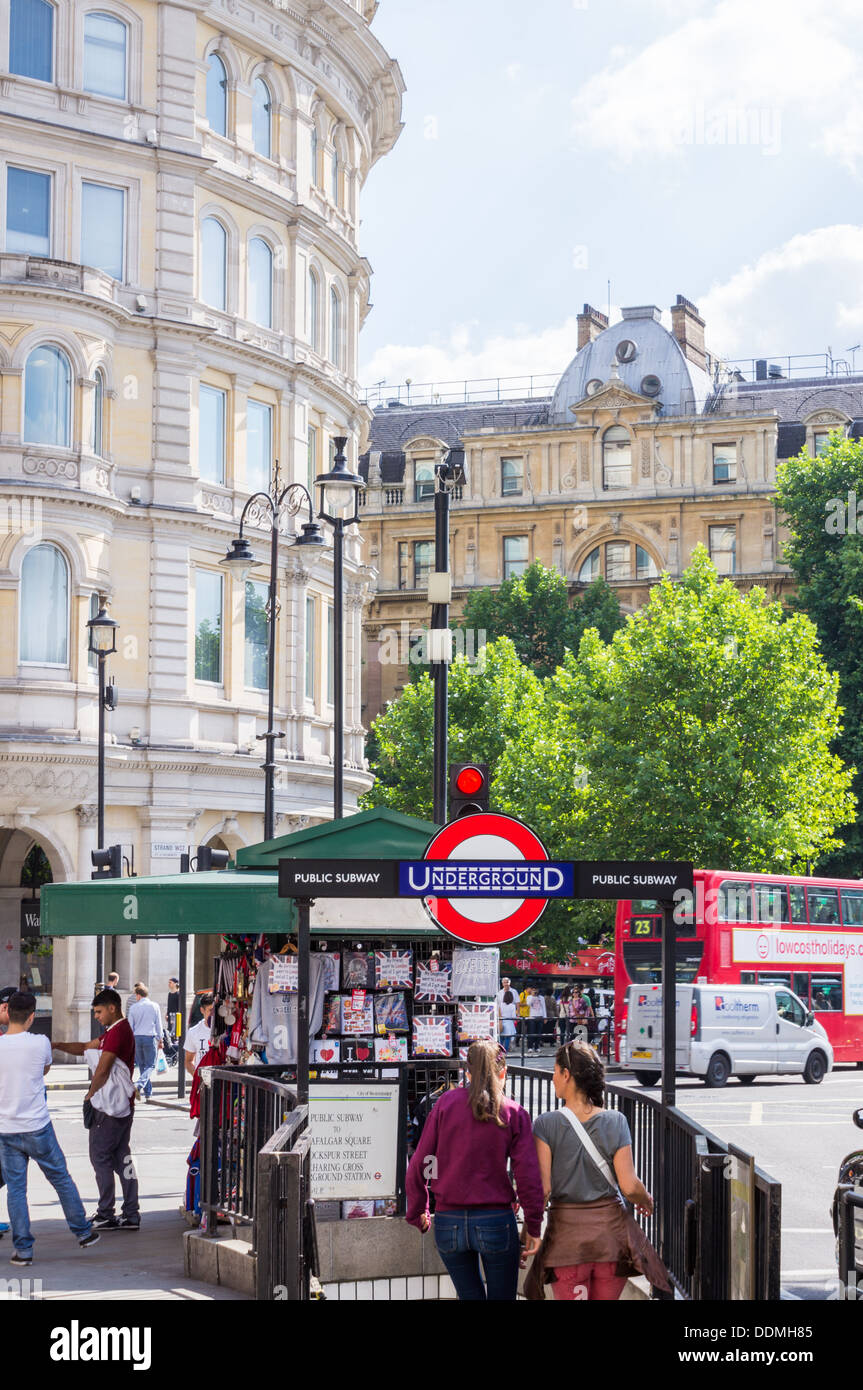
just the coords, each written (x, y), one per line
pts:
(181, 292)
(648, 447)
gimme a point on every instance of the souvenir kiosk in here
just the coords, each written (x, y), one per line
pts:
(392, 1003)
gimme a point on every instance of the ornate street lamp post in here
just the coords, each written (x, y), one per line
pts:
(339, 505)
(239, 560)
(102, 642)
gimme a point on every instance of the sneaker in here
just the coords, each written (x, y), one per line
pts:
(104, 1223)
(18, 1259)
(91, 1239)
(129, 1223)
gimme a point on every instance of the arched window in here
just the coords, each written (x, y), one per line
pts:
(423, 481)
(262, 119)
(217, 95)
(315, 151)
(589, 568)
(98, 414)
(214, 263)
(47, 397)
(260, 282)
(335, 328)
(335, 172)
(105, 55)
(313, 309)
(645, 567)
(616, 458)
(31, 39)
(43, 621)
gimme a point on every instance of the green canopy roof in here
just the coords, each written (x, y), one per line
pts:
(242, 899)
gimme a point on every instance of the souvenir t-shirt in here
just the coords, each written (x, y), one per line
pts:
(197, 1039)
(23, 1059)
(574, 1175)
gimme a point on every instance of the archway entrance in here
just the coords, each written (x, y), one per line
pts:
(26, 958)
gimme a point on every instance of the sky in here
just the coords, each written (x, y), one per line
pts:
(710, 148)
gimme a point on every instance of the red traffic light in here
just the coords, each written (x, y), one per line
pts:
(469, 781)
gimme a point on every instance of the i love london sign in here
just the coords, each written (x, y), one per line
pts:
(485, 879)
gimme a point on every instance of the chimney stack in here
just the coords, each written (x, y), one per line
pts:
(590, 324)
(687, 325)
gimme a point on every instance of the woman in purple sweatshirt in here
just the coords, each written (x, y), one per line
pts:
(469, 1139)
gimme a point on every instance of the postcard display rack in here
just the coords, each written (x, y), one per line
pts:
(390, 1010)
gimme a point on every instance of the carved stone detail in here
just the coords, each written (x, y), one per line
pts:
(645, 458)
(218, 502)
(584, 461)
(52, 468)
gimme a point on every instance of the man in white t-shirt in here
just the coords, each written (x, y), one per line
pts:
(26, 1130)
(197, 1040)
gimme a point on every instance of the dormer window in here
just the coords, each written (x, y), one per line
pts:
(616, 458)
(593, 386)
(511, 477)
(724, 463)
(626, 350)
(423, 480)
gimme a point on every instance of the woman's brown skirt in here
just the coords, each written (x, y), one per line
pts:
(580, 1233)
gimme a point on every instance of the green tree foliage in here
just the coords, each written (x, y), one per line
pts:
(703, 731)
(822, 499)
(485, 703)
(534, 611)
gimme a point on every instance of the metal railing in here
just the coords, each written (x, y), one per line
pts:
(850, 1242)
(241, 1111)
(285, 1232)
(687, 1169)
(478, 390)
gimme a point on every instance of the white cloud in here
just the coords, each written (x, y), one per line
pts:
(464, 356)
(800, 297)
(733, 74)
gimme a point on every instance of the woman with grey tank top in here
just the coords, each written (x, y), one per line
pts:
(586, 1251)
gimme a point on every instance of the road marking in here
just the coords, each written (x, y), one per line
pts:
(757, 1114)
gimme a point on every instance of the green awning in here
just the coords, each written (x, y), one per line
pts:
(245, 899)
(208, 904)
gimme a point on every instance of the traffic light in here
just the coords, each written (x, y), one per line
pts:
(209, 858)
(107, 863)
(468, 789)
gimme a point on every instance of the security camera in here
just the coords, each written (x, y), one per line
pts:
(140, 303)
(152, 137)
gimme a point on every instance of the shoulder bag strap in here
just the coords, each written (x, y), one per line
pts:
(592, 1151)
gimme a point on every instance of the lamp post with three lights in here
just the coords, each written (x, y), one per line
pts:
(239, 560)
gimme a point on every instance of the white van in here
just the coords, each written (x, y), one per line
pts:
(726, 1030)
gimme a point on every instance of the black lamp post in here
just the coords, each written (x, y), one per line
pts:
(340, 501)
(102, 642)
(239, 560)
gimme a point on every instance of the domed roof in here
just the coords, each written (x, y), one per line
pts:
(649, 360)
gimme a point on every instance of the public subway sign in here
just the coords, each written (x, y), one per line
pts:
(485, 879)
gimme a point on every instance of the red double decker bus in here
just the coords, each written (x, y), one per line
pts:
(747, 929)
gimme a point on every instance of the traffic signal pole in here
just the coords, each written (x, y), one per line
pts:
(440, 669)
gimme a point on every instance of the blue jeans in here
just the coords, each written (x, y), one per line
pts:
(145, 1056)
(473, 1233)
(16, 1150)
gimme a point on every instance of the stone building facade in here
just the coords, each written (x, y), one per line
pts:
(181, 293)
(648, 447)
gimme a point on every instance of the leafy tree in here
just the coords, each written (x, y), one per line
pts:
(822, 499)
(534, 611)
(703, 731)
(485, 702)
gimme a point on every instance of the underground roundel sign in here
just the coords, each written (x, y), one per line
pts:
(490, 841)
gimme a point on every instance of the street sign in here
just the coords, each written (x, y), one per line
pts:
(419, 878)
(479, 843)
(338, 878)
(658, 879)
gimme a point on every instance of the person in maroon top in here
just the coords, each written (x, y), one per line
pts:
(110, 1134)
(470, 1138)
